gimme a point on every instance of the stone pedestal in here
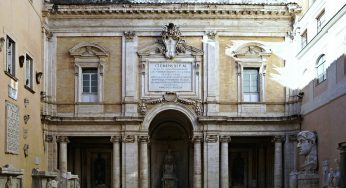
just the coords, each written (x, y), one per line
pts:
(11, 177)
(43, 179)
(308, 180)
(169, 182)
(73, 181)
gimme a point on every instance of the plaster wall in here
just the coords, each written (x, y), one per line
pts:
(21, 21)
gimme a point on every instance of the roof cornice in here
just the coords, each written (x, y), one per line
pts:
(290, 9)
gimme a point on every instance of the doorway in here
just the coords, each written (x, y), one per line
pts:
(251, 162)
(91, 159)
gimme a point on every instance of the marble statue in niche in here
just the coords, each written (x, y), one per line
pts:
(169, 179)
(307, 148)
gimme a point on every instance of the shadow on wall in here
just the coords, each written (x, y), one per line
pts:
(325, 90)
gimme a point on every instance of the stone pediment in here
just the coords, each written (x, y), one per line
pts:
(88, 49)
(157, 49)
(170, 45)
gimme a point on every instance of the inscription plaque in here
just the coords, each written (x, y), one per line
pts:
(12, 128)
(175, 76)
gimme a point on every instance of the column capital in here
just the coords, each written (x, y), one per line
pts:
(213, 138)
(49, 138)
(211, 35)
(197, 138)
(116, 138)
(129, 139)
(225, 138)
(129, 35)
(278, 138)
(143, 139)
(62, 139)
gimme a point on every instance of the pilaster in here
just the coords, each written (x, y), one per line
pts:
(211, 71)
(129, 162)
(212, 160)
(129, 73)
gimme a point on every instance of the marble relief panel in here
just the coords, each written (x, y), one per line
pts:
(12, 128)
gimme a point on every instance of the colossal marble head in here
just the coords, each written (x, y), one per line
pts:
(306, 141)
(307, 147)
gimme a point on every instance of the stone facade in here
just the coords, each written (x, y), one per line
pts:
(170, 79)
(158, 93)
(21, 131)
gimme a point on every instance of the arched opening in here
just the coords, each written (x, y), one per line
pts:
(170, 150)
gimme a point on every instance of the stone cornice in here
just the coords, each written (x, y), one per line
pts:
(60, 120)
(262, 120)
(206, 10)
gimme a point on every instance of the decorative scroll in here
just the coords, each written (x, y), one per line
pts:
(129, 139)
(12, 128)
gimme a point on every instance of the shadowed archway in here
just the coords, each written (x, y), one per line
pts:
(170, 131)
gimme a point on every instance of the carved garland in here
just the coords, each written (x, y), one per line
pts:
(170, 97)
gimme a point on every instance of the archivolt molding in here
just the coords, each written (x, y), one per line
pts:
(171, 97)
(163, 106)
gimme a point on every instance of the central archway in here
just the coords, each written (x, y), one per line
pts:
(170, 132)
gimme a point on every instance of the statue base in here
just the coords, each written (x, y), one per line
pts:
(169, 181)
(308, 180)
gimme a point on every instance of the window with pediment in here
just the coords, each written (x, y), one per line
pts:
(89, 61)
(251, 59)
